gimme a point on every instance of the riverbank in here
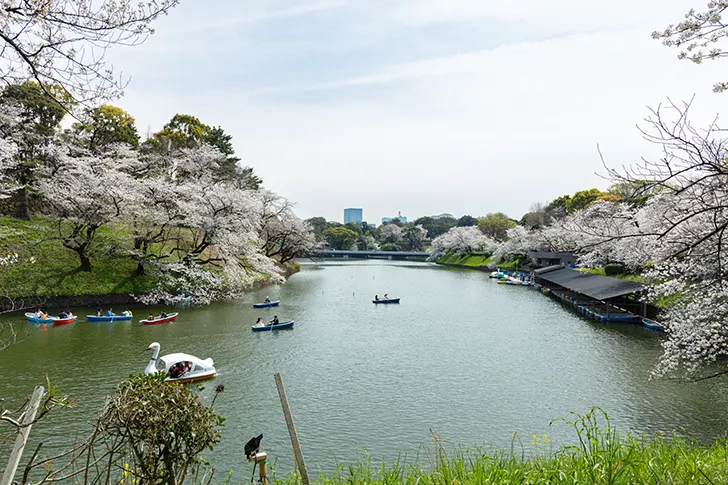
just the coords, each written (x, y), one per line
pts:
(604, 457)
(48, 274)
(479, 262)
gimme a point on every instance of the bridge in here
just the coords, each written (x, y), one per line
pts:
(339, 253)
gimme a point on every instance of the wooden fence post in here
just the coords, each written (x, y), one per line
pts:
(23, 432)
(291, 430)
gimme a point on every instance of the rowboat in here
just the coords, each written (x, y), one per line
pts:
(54, 320)
(113, 318)
(169, 318)
(266, 304)
(262, 327)
(653, 325)
(388, 300)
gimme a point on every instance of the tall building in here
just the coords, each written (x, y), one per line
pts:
(399, 216)
(353, 215)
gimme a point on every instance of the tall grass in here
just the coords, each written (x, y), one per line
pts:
(603, 456)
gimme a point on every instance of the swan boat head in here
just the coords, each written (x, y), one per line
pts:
(180, 367)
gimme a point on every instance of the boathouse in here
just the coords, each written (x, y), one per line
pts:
(541, 259)
(600, 297)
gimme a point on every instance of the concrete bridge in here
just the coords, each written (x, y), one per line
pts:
(338, 253)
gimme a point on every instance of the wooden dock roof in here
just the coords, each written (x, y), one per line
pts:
(592, 285)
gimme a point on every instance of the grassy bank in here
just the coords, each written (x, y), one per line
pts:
(477, 261)
(603, 456)
(46, 268)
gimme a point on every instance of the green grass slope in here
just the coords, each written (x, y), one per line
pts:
(46, 268)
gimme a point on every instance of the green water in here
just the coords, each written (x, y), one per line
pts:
(462, 356)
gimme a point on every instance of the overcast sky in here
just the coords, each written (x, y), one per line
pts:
(418, 106)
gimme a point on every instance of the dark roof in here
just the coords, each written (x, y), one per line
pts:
(549, 254)
(547, 269)
(592, 285)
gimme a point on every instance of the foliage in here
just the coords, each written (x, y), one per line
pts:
(466, 221)
(581, 200)
(107, 125)
(43, 107)
(697, 34)
(613, 269)
(62, 43)
(495, 225)
(436, 225)
(413, 238)
(340, 237)
(318, 226)
(602, 456)
(461, 240)
(149, 431)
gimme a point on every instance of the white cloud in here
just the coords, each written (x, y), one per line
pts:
(412, 126)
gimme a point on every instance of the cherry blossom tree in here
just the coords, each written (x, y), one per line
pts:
(461, 240)
(699, 36)
(63, 42)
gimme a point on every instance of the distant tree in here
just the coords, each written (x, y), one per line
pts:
(413, 238)
(390, 234)
(340, 237)
(187, 131)
(318, 225)
(697, 32)
(467, 221)
(436, 225)
(582, 199)
(42, 108)
(63, 42)
(495, 225)
(353, 226)
(109, 124)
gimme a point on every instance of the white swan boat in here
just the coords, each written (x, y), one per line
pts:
(180, 367)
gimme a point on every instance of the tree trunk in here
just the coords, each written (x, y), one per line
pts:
(20, 201)
(140, 268)
(85, 262)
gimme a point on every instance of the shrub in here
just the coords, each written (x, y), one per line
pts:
(614, 269)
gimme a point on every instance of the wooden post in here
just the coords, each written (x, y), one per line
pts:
(23, 432)
(291, 430)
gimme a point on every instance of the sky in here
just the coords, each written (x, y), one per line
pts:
(419, 106)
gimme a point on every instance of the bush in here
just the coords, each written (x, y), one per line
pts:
(389, 247)
(614, 269)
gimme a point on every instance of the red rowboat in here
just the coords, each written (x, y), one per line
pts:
(63, 321)
(169, 318)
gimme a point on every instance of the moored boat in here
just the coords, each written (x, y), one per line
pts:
(388, 300)
(266, 304)
(653, 325)
(179, 367)
(262, 327)
(160, 319)
(104, 318)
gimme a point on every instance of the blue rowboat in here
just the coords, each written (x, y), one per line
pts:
(653, 325)
(390, 300)
(266, 305)
(263, 327)
(115, 318)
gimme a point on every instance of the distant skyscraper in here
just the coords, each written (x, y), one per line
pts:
(353, 215)
(399, 216)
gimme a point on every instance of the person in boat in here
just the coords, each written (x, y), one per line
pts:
(267, 299)
(98, 313)
(376, 297)
(109, 313)
(126, 313)
(151, 316)
(386, 297)
(39, 313)
(164, 315)
(69, 314)
(62, 314)
(275, 320)
(259, 321)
